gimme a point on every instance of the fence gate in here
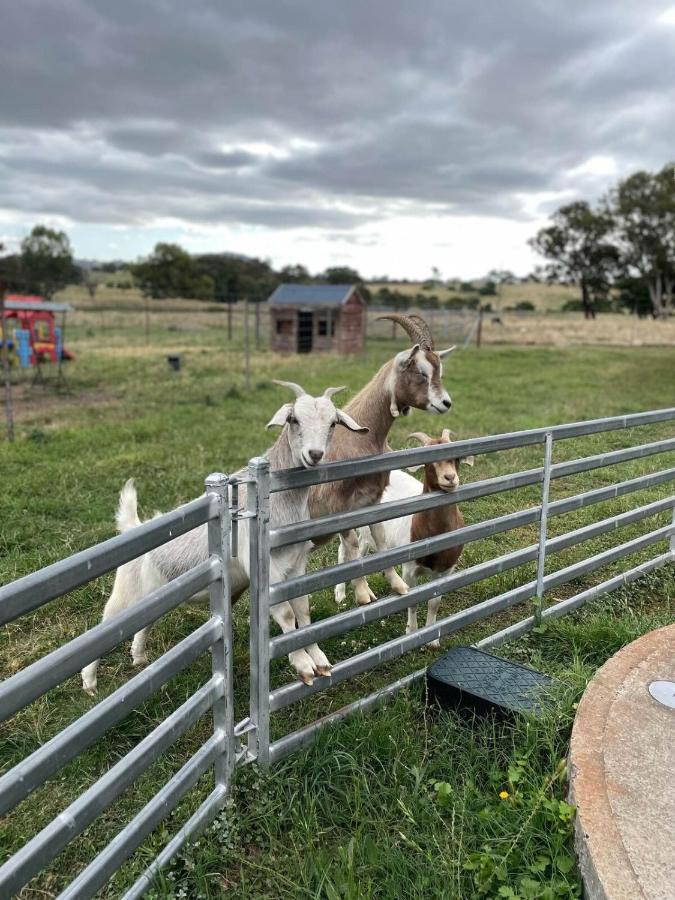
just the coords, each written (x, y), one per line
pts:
(219, 510)
(219, 752)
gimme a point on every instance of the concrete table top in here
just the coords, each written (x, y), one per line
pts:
(622, 774)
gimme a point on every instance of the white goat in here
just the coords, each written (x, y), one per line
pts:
(442, 475)
(307, 427)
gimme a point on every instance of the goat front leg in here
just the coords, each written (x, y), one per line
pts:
(301, 609)
(302, 662)
(352, 552)
(341, 589)
(410, 576)
(432, 610)
(379, 534)
(362, 592)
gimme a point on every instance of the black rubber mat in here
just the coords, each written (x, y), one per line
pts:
(470, 679)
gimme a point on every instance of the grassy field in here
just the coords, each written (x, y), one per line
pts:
(405, 802)
(120, 318)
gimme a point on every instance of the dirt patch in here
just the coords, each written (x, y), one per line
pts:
(45, 405)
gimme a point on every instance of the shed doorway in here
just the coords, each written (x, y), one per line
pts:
(305, 331)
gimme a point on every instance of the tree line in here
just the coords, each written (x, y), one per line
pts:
(623, 247)
(627, 242)
(45, 265)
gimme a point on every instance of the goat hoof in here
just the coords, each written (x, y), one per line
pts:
(90, 689)
(324, 670)
(140, 660)
(399, 586)
(306, 678)
(365, 596)
(434, 645)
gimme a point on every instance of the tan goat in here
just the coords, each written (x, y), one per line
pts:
(412, 379)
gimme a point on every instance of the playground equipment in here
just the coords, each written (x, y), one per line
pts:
(37, 338)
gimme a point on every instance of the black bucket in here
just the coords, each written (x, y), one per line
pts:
(174, 363)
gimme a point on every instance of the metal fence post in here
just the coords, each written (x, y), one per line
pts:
(258, 506)
(220, 602)
(543, 523)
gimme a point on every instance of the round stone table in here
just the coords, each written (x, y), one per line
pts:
(622, 773)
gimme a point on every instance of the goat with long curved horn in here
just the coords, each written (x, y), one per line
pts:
(415, 327)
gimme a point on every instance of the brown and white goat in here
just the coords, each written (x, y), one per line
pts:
(438, 476)
(412, 379)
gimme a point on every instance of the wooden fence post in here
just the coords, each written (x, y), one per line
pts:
(9, 407)
(247, 348)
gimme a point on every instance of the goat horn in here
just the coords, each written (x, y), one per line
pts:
(446, 435)
(415, 327)
(292, 386)
(421, 437)
(330, 391)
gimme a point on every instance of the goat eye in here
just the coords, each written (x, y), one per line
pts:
(333, 424)
(292, 420)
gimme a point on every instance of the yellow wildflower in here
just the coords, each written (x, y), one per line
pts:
(504, 795)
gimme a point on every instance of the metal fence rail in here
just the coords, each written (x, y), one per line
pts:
(223, 749)
(216, 696)
(538, 553)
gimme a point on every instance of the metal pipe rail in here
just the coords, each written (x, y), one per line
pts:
(36, 679)
(33, 771)
(376, 562)
(379, 512)
(379, 609)
(28, 593)
(385, 462)
(356, 665)
(192, 827)
(123, 844)
(215, 635)
(39, 851)
(578, 600)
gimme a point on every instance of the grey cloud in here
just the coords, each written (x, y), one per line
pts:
(114, 112)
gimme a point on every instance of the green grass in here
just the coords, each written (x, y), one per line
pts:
(359, 814)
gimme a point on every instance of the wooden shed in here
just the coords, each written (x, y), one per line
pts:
(321, 317)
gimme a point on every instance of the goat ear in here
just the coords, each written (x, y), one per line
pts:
(280, 417)
(406, 356)
(348, 422)
(444, 353)
(414, 468)
(467, 460)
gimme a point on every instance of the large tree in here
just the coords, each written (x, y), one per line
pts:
(341, 275)
(580, 251)
(170, 271)
(47, 261)
(643, 206)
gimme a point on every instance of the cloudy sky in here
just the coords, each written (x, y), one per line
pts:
(393, 136)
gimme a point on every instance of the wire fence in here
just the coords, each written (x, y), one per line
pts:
(230, 744)
(124, 320)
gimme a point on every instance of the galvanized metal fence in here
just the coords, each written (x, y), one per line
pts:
(223, 751)
(263, 650)
(215, 695)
